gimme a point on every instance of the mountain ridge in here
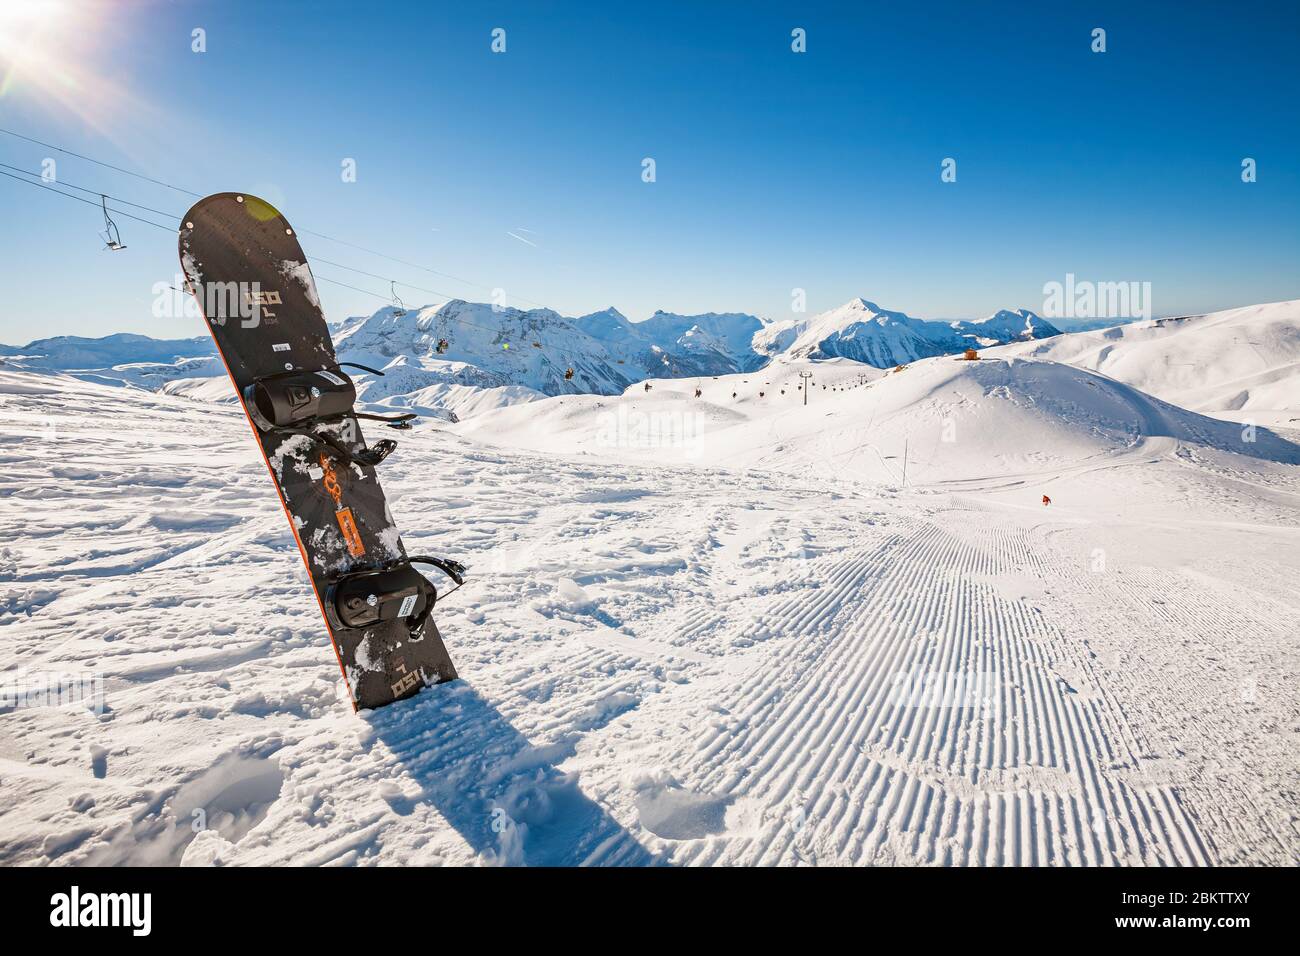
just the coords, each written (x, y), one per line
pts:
(437, 353)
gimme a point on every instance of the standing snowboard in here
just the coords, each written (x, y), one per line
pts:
(244, 265)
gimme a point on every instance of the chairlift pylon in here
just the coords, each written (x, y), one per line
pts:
(112, 238)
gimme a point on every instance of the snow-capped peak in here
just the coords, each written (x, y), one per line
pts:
(1006, 325)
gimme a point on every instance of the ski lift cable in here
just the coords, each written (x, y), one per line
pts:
(173, 230)
(93, 192)
(375, 275)
(383, 298)
(68, 152)
(413, 265)
(318, 235)
(90, 202)
(157, 225)
(389, 299)
(169, 215)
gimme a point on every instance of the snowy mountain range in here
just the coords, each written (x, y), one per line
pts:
(1242, 363)
(460, 356)
(121, 358)
(863, 331)
(673, 346)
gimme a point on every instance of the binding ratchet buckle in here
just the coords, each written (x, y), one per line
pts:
(292, 403)
(365, 598)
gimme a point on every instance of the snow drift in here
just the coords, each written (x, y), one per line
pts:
(1241, 363)
(949, 419)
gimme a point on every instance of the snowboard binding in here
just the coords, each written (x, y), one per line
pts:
(298, 397)
(291, 403)
(364, 598)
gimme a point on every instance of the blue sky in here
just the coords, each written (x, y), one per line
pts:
(775, 170)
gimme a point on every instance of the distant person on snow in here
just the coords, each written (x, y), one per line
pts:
(647, 386)
(1046, 500)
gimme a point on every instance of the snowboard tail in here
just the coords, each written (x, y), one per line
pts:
(243, 263)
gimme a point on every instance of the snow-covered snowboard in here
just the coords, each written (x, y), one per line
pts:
(243, 263)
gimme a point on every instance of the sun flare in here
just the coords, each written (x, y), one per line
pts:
(54, 53)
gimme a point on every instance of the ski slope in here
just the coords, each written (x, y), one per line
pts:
(953, 422)
(1240, 364)
(753, 648)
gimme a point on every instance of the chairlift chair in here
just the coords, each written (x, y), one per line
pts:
(112, 238)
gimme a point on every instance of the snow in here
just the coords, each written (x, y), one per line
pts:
(698, 632)
(120, 359)
(710, 343)
(488, 347)
(955, 420)
(865, 332)
(1242, 364)
(301, 273)
(495, 355)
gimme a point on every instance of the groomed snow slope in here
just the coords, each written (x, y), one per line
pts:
(662, 663)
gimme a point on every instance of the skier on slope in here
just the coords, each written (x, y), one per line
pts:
(1046, 500)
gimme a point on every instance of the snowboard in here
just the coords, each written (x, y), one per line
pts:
(243, 263)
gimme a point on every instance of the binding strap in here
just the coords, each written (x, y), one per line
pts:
(292, 402)
(365, 598)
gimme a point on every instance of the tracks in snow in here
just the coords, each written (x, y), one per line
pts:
(756, 668)
(914, 712)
